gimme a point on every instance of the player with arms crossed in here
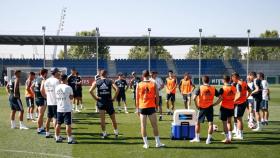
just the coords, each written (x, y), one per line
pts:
(64, 95)
(203, 100)
(29, 95)
(147, 99)
(105, 101)
(186, 88)
(13, 90)
(171, 85)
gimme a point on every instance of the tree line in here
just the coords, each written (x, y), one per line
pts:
(159, 52)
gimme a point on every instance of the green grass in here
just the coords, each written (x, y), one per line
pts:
(87, 129)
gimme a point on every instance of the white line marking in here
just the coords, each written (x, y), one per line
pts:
(30, 152)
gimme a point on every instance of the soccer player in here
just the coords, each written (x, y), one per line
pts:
(257, 95)
(171, 84)
(203, 99)
(105, 101)
(227, 97)
(79, 91)
(133, 84)
(40, 100)
(265, 99)
(186, 88)
(147, 99)
(240, 103)
(97, 77)
(160, 86)
(29, 95)
(123, 86)
(251, 102)
(72, 82)
(64, 95)
(49, 92)
(13, 90)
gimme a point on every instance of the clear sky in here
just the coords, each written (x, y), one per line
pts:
(133, 17)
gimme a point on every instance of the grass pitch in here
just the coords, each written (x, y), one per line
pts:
(27, 143)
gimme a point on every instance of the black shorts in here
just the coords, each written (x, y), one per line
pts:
(257, 105)
(121, 97)
(147, 111)
(29, 101)
(15, 103)
(226, 113)
(64, 117)
(52, 111)
(239, 109)
(160, 101)
(186, 97)
(40, 101)
(171, 97)
(205, 112)
(107, 106)
(264, 105)
(77, 93)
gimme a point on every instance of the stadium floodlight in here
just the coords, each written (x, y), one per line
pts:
(248, 51)
(149, 48)
(199, 56)
(97, 35)
(44, 44)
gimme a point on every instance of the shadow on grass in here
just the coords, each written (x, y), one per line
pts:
(201, 147)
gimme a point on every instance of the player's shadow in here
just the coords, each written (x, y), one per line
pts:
(201, 147)
(258, 142)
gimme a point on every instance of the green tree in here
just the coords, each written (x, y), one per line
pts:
(87, 51)
(141, 52)
(266, 53)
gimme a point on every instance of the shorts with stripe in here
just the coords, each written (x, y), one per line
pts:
(239, 109)
(15, 103)
(29, 101)
(264, 105)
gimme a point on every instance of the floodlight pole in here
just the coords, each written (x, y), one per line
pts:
(149, 47)
(97, 46)
(44, 44)
(199, 60)
(248, 51)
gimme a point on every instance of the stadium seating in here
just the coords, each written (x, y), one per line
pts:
(269, 68)
(237, 66)
(138, 65)
(22, 62)
(208, 66)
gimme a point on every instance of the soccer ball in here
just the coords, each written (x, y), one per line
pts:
(251, 125)
(215, 128)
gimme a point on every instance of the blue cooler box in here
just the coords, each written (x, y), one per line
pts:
(183, 126)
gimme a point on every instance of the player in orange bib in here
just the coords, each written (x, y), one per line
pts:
(203, 100)
(147, 99)
(171, 85)
(227, 96)
(30, 95)
(240, 103)
(186, 88)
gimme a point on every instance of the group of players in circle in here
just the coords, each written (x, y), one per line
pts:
(61, 94)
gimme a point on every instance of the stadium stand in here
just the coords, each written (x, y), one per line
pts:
(237, 66)
(269, 68)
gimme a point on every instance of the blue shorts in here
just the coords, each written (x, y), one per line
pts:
(64, 117)
(121, 97)
(15, 103)
(170, 96)
(186, 97)
(29, 101)
(264, 105)
(40, 101)
(207, 113)
(251, 102)
(52, 111)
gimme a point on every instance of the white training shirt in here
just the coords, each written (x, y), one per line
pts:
(63, 93)
(251, 86)
(159, 83)
(50, 85)
(265, 90)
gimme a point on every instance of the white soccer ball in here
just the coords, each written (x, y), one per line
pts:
(215, 128)
(251, 125)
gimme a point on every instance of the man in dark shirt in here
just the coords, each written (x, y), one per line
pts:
(257, 95)
(72, 82)
(123, 86)
(133, 84)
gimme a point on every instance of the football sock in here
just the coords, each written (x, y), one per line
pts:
(157, 139)
(145, 139)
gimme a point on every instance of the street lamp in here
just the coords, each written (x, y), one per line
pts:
(199, 56)
(248, 50)
(44, 44)
(97, 35)
(149, 47)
